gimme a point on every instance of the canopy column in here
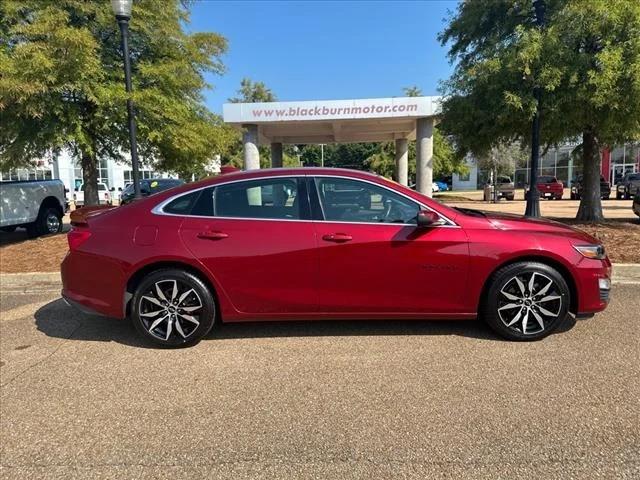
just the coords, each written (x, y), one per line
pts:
(250, 153)
(424, 155)
(276, 155)
(402, 161)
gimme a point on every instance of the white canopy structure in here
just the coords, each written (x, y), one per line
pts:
(398, 119)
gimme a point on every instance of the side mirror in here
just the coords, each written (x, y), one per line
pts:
(427, 218)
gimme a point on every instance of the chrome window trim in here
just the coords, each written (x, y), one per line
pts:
(157, 210)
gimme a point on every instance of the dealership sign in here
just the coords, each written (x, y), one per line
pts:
(399, 107)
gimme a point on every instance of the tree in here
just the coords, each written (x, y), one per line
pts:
(253, 92)
(585, 61)
(62, 85)
(413, 91)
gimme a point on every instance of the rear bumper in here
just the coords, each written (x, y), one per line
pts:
(93, 284)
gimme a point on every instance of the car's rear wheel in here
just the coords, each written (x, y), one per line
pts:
(173, 308)
(526, 301)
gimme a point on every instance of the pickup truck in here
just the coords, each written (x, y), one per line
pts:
(628, 186)
(549, 187)
(576, 188)
(104, 197)
(504, 186)
(36, 205)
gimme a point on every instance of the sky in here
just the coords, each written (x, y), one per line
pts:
(327, 50)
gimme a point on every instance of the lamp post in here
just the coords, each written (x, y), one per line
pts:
(122, 11)
(533, 195)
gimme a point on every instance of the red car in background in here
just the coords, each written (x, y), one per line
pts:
(550, 187)
(320, 243)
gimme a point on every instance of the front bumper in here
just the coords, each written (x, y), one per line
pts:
(593, 280)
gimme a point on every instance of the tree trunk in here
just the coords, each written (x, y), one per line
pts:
(590, 203)
(90, 178)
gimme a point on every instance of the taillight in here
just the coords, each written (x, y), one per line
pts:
(77, 237)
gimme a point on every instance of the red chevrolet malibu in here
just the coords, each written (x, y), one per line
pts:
(319, 243)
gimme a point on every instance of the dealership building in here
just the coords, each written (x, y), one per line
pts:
(560, 163)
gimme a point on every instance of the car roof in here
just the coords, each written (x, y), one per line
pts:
(278, 172)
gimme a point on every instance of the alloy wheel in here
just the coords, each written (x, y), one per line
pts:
(53, 223)
(529, 303)
(170, 308)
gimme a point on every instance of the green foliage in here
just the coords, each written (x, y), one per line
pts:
(62, 84)
(586, 62)
(253, 92)
(503, 158)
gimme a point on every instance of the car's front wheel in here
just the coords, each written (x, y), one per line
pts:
(173, 308)
(526, 301)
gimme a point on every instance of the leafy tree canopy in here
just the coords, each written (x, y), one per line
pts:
(62, 85)
(253, 92)
(585, 61)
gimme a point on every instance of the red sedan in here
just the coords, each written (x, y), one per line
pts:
(325, 243)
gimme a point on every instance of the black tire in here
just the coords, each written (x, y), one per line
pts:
(10, 229)
(528, 320)
(606, 197)
(49, 222)
(618, 196)
(182, 332)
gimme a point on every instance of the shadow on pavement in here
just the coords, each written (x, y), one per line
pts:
(20, 235)
(57, 319)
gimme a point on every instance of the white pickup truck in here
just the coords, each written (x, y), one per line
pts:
(37, 205)
(104, 197)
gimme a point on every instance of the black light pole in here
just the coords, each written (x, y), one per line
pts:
(122, 10)
(533, 195)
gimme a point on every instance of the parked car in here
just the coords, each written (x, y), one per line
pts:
(505, 189)
(628, 186)
(149, 187)
(576, 188)
(36, 205)
(442, 186)
(104, 196)
(435, 187)
(549, 187)
(182, 261)
(636, 203)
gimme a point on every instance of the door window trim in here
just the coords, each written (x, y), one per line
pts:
(310, 178)
(304, 179)
(305, 210)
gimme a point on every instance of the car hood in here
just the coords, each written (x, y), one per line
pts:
(510, 222)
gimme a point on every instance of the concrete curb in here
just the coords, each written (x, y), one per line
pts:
(30, 282)
(623, 273)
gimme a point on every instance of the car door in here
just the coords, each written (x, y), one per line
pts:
(374, 259)
(256, 238)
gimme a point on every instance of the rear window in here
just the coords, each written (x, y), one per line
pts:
(547, 179)
(182, 205)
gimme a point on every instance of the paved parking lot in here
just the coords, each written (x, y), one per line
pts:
(82, 398)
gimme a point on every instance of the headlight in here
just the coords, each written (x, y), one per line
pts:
(621, 188)
(595, 252)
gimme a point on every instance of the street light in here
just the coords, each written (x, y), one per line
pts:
(122, 11)
(533, 195)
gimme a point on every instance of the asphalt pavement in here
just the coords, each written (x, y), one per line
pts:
(81, 397)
